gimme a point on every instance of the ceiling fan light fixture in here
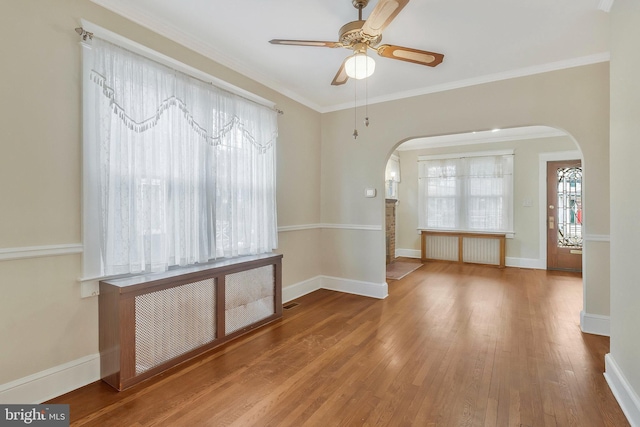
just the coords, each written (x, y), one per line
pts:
(359, 66)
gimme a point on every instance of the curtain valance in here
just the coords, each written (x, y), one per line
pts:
(163, 88)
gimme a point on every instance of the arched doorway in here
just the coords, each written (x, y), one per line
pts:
(533, 147)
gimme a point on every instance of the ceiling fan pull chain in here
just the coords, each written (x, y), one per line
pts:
(366, 100)
(355, 109)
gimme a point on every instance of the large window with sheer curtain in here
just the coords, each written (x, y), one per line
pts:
(176, 171)
(469, 192)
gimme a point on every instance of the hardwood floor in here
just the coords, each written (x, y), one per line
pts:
(452, 345)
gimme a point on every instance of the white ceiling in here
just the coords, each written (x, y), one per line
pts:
(482, 41)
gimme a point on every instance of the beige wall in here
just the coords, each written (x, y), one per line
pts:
(43, 321)
(574, 100)
(625, 203)
(525, 243)
(322, 173)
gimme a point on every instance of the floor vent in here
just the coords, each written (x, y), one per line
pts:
(290, 305)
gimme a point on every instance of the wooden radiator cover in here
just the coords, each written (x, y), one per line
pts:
(152, 322)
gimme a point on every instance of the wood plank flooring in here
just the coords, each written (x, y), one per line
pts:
(452, 345)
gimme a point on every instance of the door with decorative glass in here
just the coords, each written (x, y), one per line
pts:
(564, 215)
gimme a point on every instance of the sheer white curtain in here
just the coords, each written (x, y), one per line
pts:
(179, 171)
(472, 193)
(488, 188)
(392, 177)
(440, 194)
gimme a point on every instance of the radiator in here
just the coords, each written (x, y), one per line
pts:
(464, 247)
(249, 297)
(153, 322)
(443, 248)
(481, 251)
(173, 321)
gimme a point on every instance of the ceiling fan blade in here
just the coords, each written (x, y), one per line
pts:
(382, 15)
(341, 76)
(416, 56)
(305, 43)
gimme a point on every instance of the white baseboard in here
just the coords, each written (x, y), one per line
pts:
(534, 263)
(53, 382)
(358, 287)
(301, 288)
(596, 324)
(349, 286)
(409, 253)
(622, 390)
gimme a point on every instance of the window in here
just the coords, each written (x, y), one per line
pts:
(176, 171)
(472, 192)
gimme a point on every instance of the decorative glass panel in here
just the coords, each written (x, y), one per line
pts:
(570, 207)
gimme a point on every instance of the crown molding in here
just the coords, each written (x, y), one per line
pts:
(171, 32)
(140, 17)
(521, 72)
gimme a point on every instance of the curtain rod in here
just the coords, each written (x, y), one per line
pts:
(89, 35)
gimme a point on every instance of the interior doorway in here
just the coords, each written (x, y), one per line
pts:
(564, 215)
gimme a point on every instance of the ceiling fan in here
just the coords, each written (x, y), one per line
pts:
(361, 36)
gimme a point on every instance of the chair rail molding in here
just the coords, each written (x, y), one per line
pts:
(365, 227)
(8, 254)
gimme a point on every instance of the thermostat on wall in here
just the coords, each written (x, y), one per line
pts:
(369, 192)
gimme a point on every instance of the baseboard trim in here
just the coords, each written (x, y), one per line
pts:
(533, 263)
(53, 382)
(408, 253)
(357, 287)
(595, 324)
(300, 289)
(622, 390)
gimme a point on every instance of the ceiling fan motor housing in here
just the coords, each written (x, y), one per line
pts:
(360, 4)
(351, 34)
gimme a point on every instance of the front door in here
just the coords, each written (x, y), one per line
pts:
(564, 215)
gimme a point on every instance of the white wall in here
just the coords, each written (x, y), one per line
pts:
(623, 367)
(524, 247)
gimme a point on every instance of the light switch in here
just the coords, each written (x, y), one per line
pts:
(527, 203)
(369, 192)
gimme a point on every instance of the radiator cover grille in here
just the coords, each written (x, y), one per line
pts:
(443, 247)
(249, 297)
(173, 321)
(481, 251)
